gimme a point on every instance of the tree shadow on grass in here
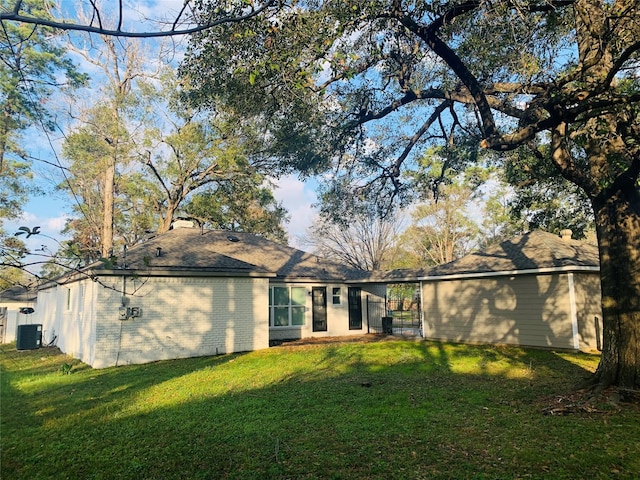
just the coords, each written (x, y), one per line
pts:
(396, 409)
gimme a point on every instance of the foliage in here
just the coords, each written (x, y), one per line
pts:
(165, 162)
(32, 64)
(366, 87)
(242, 204)
(441, 232)
(98, 145)
(12, 253)
(388, 409)
(543, 198)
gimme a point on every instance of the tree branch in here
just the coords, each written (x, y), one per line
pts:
(15, 16)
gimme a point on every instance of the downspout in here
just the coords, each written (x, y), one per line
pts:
(573, 311)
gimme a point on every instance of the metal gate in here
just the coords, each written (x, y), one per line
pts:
(394, 317)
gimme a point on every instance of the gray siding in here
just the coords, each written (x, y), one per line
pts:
(589, 310)
(522, 310)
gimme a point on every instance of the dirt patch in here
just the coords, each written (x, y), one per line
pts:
(587, 402)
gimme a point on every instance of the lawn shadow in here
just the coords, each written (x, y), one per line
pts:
(378, 409)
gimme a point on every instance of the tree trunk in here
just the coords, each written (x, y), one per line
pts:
(618, 225)
(167, 219)
(107, 211)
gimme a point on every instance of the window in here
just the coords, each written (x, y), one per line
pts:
(336, 295)
(287, 306)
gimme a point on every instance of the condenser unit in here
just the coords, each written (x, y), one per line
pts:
(29, 337)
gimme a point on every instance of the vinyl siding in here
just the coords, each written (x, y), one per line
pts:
(589, 310)
(529, 310)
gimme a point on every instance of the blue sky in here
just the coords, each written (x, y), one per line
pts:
(50, 211)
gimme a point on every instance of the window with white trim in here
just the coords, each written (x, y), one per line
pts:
(287, 306)
(335, 295)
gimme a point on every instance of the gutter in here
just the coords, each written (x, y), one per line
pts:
(165, 272)
(533, 271)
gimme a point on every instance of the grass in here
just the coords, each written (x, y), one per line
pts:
(393, 409)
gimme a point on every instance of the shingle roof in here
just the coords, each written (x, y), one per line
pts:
(182, 250)
(192, 249)
(535, 250)
(18, 294)
(532, 251)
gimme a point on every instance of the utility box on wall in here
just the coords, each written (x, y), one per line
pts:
(125, 313)
(29, 337)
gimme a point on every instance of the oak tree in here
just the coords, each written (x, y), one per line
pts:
(366, 86)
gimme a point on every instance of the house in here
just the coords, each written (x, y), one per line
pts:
(193, 292)
(537, 289)
(17, 307)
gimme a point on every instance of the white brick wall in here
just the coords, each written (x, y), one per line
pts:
(181, 317)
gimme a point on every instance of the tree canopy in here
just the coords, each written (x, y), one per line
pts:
(32, 65)
(365, 87)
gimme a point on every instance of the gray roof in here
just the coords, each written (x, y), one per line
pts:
(532, 251)
(18, 294)
(232, 253)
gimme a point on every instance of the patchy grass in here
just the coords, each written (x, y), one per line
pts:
(392, 409)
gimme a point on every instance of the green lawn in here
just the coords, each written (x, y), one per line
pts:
(395, 409)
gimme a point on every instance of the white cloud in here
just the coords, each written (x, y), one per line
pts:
(43, 213)
(297, 197)
(55, 224)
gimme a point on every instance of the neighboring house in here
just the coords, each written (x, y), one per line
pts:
(17, 307)
(537, 290)
(192, 292)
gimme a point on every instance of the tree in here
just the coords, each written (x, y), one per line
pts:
(367, 86)
(242, 204)
(441, 231)
(365, 241)
(12, 253)
(32, 65)
(95, 150)
(198, 166)
(100, 19)
(543, 199)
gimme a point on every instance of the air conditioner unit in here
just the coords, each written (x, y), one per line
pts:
(29, 337)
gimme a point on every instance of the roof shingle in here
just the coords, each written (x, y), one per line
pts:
(193, 249)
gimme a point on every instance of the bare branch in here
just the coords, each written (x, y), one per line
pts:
(15, 16)
(416, 137)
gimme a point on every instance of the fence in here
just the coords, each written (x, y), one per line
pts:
(394, 317)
